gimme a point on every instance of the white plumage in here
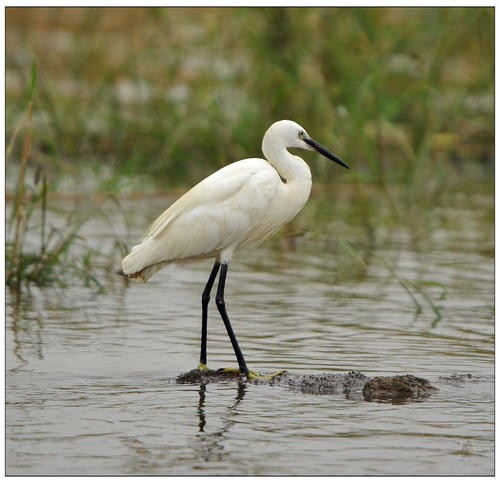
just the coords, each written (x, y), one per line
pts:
(239, 205)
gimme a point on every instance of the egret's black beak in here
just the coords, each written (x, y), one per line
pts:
(321, 150)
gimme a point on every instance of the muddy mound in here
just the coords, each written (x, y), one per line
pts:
(352, 384)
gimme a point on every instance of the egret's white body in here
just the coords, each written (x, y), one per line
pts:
(239, 205)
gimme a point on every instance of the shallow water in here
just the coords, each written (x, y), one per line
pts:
(91, 377)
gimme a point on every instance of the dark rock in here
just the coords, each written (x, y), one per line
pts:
(395, 387)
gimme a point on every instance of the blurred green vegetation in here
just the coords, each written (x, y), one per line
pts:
(402, 94)
(165, 96)
(36, 252)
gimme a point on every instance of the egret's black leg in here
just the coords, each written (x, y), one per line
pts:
(205, 298)
(219, 299)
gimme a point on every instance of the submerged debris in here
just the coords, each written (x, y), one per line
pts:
(457, 378)
(326, 383)
(353, 384)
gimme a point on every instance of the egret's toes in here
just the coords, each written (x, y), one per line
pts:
(232, 370)
(254, 375)
(251, 375)
(257, 376)
(202, 367)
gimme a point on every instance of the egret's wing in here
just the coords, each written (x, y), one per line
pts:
(215, 214)
(220, 186)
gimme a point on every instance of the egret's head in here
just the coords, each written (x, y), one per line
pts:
(289, 134)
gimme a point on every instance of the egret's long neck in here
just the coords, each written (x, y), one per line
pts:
(291, 168)
(295, 173)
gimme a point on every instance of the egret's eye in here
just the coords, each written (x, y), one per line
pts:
(301, 134)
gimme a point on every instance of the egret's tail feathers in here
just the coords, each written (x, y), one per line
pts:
(146, 273)
(138, 265)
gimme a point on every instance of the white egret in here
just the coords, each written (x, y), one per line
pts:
(240, 205)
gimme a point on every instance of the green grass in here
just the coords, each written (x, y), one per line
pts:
(36, 252)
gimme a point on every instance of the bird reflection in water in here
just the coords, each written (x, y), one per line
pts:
(210, 445)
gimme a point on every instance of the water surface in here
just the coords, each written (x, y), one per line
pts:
(91, 376)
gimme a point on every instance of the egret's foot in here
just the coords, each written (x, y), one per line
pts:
(231, 370)
(203, 367)
(257, 376)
